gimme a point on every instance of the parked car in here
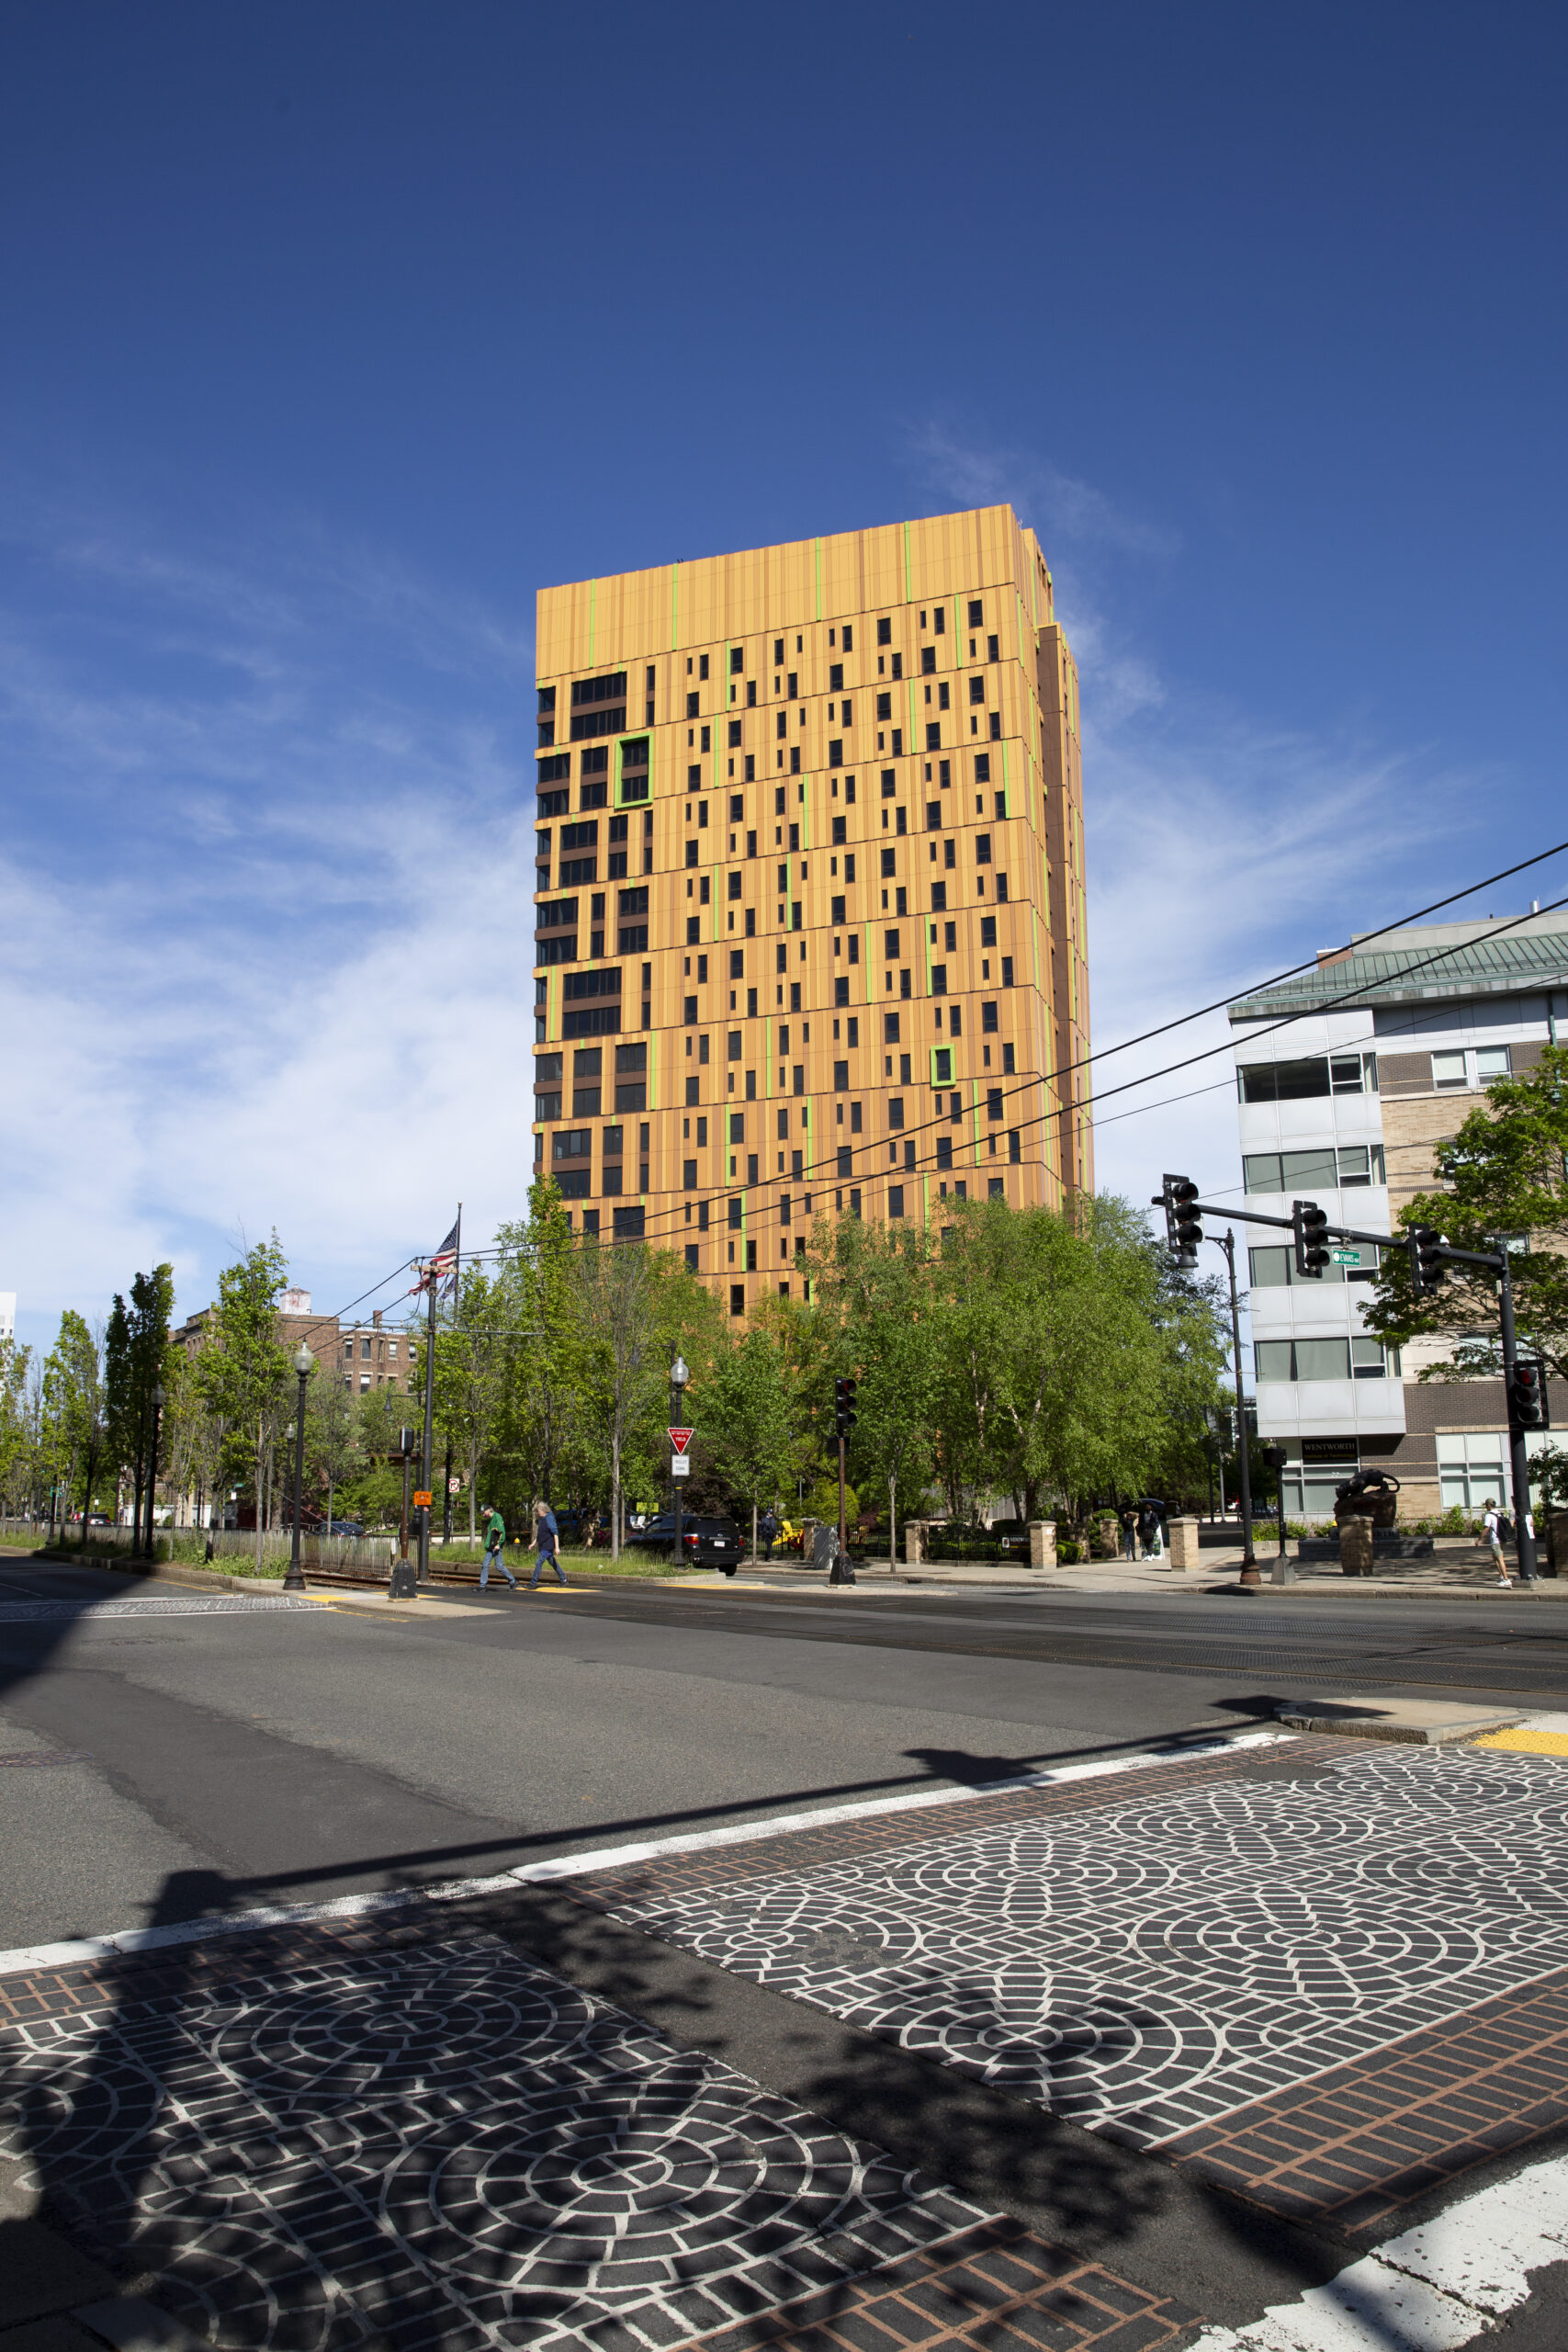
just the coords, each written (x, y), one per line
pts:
(345, 1527)
(703, 1541)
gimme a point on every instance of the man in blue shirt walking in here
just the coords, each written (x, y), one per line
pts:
(546, 1536)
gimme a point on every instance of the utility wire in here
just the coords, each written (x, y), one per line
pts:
(1050, 1082)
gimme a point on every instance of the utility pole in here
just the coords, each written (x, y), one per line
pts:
(449, 1258)
(1250, 1579)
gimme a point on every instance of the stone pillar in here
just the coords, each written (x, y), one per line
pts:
(1184, 1544)
(914, 1539)
(1042, 1542)
(1356, 1547)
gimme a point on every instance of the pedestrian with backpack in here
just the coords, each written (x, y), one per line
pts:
(495, 1548)
(1498, 1529)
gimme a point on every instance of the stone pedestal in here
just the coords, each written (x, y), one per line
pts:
(1183, 1551)
(1356, 1547)
(914, 1539)
(1042, 1542)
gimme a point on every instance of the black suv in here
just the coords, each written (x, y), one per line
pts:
(704, 1542)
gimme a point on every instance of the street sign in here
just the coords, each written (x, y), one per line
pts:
(422, 1499)
(1346, 1257)
(680, 1467)
(680, 1440)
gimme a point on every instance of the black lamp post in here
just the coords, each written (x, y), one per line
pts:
(304, 1365)
(153, 1466)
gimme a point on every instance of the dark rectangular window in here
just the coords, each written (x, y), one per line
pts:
(610, 688)
(556, 914)
(939, 897)
(977, 688)
(579, 836)
(737, 963)
(737, 659)
(598, 723)
(835, 677)
(934, 735)
(555, 769)
(982, 767)
(631, 1058)
(993, 1102)
(890, 947)
(836, 910)
(988, 930)
(836, 753)
(939, 979)
(599, 1021)
(1007, 971)
(988, 1018)
(849, 867)
(605, 982)
(890, 1028)
(692, 1257)
(734, 734)
(840, 831)
(778, 652)
(982, 849)
(554, 804)
(546, 700)
(632, 902)
(885, 705)
(632, 938)
(889, 861)
(841, 1077)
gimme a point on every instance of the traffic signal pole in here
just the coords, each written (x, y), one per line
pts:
(1427, 1251)
(1250, 1579)
(1519, 1453)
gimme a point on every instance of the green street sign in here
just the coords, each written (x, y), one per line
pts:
(1346, 1257)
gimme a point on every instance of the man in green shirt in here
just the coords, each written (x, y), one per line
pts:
(495, 1548)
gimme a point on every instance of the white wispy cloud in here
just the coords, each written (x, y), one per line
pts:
(267, 888)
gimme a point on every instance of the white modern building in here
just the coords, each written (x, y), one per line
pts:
(1385, 1052)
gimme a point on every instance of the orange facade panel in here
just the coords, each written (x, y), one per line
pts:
(810, 888)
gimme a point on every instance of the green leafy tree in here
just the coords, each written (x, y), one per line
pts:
(751, 1418)
(878, 1286)
(1504, 1174)
(136, 1353)
(1055, 1374)
(75, 1375)
(15, 1449)
(333, 1449)
(243, 1368)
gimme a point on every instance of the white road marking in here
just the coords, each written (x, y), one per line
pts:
(1431, 2289)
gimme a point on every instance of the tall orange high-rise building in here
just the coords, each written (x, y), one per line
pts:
(810, 920)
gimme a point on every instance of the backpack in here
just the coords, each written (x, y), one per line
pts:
(1504, 1527)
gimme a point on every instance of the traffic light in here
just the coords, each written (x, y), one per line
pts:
(1310, 1225)
(1427, 1267)
(1183, 1226)
(1527, 1396)
(843, 1407)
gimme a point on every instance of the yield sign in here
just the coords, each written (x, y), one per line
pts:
(680, 1440)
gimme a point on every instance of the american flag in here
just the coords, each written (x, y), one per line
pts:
(442, 1269)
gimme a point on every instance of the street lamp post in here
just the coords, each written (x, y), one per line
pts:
(304, 1365)
(153, 1466)
(679, 1376)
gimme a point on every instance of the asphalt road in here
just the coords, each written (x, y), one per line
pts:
(281, 1757)
(155, 1768)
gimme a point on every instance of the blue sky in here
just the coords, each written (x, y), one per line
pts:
(332, 334)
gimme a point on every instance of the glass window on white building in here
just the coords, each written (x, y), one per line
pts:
(1472, 1469)
(1473, 1464)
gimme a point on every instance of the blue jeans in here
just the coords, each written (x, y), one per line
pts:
(499, 1556)
(541, 1561)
